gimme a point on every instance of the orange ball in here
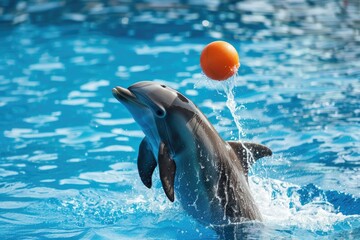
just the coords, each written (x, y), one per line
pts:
(219, 60)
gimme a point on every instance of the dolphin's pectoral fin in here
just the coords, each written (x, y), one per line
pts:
(255, 150)
(167, 170)
(146, 163)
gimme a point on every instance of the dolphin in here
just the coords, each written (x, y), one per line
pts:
(207, 174)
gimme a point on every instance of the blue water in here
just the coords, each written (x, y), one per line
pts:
(68, 149)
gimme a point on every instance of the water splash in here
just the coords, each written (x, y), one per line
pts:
(281, 203)
(227, 89)
(291, 206)
(233, 106)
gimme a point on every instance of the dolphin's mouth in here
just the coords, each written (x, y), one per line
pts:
(125, 95)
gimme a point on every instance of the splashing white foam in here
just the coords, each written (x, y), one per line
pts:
(280, 205)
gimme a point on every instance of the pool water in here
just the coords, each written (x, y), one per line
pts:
(68, 149)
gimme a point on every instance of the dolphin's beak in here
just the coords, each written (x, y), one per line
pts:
(124, 95)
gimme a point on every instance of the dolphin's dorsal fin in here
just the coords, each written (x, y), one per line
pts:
(146, 163)
(248, 153)
(167, 169)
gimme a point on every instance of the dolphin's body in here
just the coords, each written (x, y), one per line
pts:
(208, 175)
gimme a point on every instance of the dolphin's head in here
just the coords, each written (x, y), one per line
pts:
(146, 96)
(154, 106)
(154, 96)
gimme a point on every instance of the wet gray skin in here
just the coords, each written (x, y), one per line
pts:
(206, 174)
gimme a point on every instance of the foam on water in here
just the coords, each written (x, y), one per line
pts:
(281, 206)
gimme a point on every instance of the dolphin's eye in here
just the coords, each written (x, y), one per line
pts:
(160, 113)
(182, 98)
(163, 86)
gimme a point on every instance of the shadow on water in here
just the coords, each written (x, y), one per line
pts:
(249, 230)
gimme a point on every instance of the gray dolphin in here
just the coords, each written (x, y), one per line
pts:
(208, 174)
